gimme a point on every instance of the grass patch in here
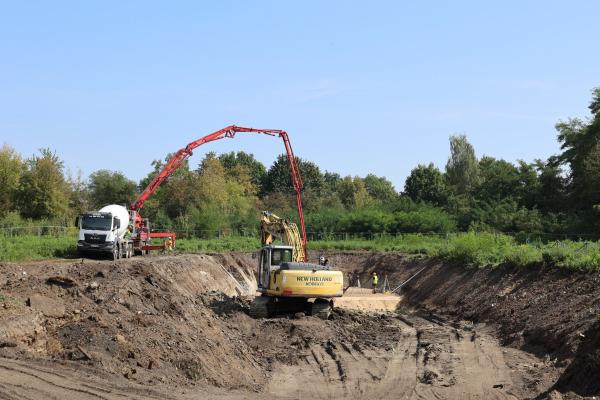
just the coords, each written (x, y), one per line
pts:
(483, 250)
(31, 247)
(231, 243)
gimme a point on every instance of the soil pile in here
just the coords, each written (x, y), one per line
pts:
(145, 319)
(156, 323)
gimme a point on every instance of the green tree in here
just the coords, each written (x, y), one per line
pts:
(222, 202)
(551, 195)
(174, 198)
(44, 192)
(581, 153)
(178, 193)
(380, 189)
(111, 187)
(211, 190)
(331, 180)
(462, 172)
(353, 193)
(529, 184)
(362, 198)
(11, 170)
(426, 183)
(235, 163)
(498, 179)
(279, 177)
(79, 196)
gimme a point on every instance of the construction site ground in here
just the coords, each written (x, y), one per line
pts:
(176, 327)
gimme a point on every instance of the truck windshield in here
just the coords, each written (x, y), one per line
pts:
(279, 256)
(96, 222)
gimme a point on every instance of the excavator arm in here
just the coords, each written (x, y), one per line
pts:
(228, 132)
(272, 226)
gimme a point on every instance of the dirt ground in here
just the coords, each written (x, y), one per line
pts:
(177, 327)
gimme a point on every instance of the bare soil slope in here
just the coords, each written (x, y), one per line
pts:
(550, 312)
(177, 327)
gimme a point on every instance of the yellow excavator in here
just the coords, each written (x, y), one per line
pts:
(288, 283)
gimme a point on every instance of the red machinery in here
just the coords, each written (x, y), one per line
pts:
(142, 233)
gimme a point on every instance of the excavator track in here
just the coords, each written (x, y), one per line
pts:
(260, 307)
(321, 308)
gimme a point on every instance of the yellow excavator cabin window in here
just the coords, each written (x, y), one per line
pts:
(279, 256)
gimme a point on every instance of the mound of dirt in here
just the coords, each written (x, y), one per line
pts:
(145, 319)
(163, 322)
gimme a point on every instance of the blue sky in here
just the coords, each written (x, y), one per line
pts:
(361, 87)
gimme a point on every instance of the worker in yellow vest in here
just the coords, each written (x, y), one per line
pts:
(375, 279)
(169, 244)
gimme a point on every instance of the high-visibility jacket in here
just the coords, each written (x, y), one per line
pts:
(375, 279)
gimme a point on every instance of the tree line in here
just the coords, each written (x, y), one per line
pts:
(559, 195)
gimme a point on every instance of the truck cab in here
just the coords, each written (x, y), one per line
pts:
(98, 233)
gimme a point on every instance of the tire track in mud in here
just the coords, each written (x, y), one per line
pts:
(20, 379)
(431, 360)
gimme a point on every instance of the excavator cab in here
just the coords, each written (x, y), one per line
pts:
(271, 258)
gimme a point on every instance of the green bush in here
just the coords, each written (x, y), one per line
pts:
(425, 220)
(420, 218)
(480, 250)
(573, 255)
(367, 220)
(558, 254)
(524, 255)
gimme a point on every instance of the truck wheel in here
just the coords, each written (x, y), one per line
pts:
(321, 308)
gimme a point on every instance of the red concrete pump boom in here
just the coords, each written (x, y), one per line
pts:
(229, 132)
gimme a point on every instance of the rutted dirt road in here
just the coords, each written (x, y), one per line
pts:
(177, 328)
(430, 359)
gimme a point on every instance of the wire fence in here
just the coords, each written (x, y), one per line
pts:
(254, 232)
(45, 230)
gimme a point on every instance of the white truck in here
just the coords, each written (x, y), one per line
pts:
(105, 232)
